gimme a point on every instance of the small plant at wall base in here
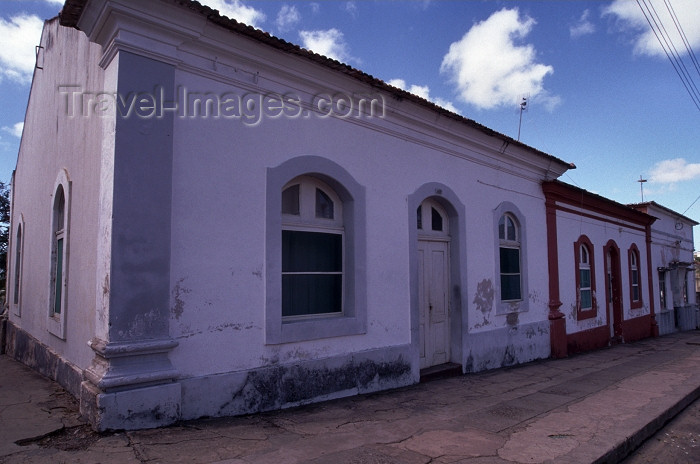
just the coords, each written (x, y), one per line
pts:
(4, 235)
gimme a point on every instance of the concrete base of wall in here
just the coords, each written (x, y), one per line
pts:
(3, 326)
(686, 317)
(588, 340)
(138, 408)
(29, 351)
(507, 346)
(667, 322)
(284, 386)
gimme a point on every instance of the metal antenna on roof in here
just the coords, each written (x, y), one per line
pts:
(523, 107)
(641, 186)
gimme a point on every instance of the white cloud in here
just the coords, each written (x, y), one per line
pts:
(55, 2)
(21, 34)
(15, 130)
(487, 66)
(287, 17)
(329, 43)
(674, 170)
(315, 7)
(235, 9)
(351, 8)
(631, 20)
(423, 91)
(583, 26)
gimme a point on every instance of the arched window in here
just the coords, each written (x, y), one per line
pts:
(509, 254)
(18, 266)
(432, 219)
(60, 230)
(312, 249)
(585, 279)
(635, 282)
(58, 252)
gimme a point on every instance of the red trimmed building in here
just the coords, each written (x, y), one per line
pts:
(600, 283)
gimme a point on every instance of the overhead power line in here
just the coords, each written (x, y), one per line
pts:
(669, 48)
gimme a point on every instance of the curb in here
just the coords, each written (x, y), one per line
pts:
(627, 446)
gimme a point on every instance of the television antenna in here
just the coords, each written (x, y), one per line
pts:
(523, 107)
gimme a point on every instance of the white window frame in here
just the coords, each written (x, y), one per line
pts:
(308, 221)
(56, 321)
(353, 321)
(523, 304)
(505, 242)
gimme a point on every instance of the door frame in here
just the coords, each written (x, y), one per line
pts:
(457, 271)
(613, 289)
(446, 284)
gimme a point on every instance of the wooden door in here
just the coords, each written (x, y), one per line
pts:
(433, 266)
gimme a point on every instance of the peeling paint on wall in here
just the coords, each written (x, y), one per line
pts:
(484, 296)
(179, 306)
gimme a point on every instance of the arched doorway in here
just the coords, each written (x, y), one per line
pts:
(613, 291)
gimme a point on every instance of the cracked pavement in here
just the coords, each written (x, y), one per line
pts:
(594, 407)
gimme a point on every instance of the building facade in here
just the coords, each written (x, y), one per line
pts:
(210, 221)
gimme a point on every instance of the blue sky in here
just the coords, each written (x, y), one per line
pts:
(601, 92)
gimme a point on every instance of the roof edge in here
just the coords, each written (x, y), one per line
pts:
(73, 9)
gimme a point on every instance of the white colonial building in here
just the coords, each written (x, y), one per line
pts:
(210, 221)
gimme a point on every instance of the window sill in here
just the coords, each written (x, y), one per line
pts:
(315, 328)
(514, 306)
(587, 314)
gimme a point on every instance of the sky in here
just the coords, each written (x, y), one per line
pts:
(600, 90)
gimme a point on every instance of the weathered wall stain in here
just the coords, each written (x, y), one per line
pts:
(512, 318)
(276, 387)
(483, 299)
(179, 306)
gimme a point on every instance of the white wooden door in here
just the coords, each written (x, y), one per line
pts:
(433, 265)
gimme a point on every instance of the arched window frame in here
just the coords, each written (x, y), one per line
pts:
(16, 266)
(583, 248)
(353, 320)
(432, 220)
(314, 210)
(60, 253)
(635, 277)
(520, 304)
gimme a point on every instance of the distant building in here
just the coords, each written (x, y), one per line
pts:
(209, 221)
(673, 269)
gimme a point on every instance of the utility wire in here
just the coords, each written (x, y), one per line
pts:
(688, 47)
(689, 86)
(676, 55)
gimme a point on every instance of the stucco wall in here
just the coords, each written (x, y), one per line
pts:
(219, 231)
(54, 143)
(572, 226)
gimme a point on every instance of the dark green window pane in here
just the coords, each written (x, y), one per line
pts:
(419, 214)
(586, 300)
(635, 277)
(311, 294)
(59, 277)
(635, 293)
(510, 287)
(311, 252)
(510, 260)
(585, 276)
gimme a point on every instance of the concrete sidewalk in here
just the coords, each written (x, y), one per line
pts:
(594, 407)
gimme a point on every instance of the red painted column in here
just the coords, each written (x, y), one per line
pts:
(557, 323)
